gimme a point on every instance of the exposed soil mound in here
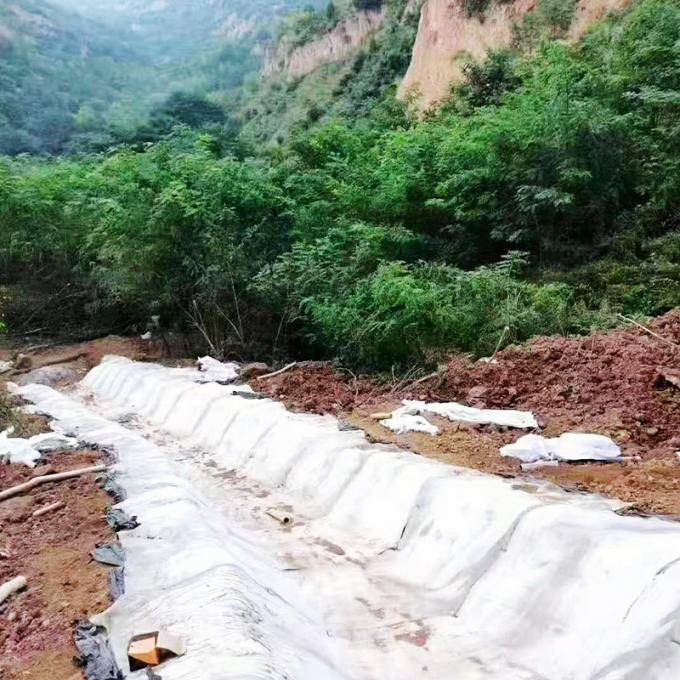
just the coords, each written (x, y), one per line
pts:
(621, 384)
(317, 387)
(610, 383)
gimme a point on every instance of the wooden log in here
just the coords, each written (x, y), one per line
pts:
(49, 508)
(47, 479)
(279, 372)
(11, 587)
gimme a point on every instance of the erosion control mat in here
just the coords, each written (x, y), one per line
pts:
(431, 565)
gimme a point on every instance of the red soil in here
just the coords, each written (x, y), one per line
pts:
(609, 383)
(53, 552)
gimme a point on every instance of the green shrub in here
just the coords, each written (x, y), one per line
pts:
(405, 314)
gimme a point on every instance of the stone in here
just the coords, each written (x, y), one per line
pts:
(48, 375)
(253, 370)
(23, 362)
(477, 392)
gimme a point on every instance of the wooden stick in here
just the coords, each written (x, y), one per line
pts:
(46, 479)
(650, 331)
(12, 587)
(404, 381)
(69, 358)
(420, 381)
(279, 372)
(506, 330)
(49, 508)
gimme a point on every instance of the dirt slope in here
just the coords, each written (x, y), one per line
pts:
(448, 38)
(603, 383)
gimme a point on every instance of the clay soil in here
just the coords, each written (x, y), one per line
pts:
(64, 584)
(608, 383)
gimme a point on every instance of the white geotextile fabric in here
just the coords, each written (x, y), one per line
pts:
(500, 580)
(570, 446)
(401, 423)
(409, 417)
(28, 451)
(216, 371)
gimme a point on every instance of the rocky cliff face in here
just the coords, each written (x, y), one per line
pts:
(335, 45)
(448, 38)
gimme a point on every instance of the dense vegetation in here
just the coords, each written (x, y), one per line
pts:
(274, 110)
(542, 198)
(73, 82)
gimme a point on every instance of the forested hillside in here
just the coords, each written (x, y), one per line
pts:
(59, 73)
(82, 76)
(322, 215)
(172, 30)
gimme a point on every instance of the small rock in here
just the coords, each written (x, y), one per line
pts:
(254, 370)
(23, 362)
(469, 427)
(17, 509)
(43, 470)
(651, 431)
(477, 392)
(48, 375)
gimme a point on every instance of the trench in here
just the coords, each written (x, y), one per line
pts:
(393, 566)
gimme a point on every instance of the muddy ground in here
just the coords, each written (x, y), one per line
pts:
(53, 552)
(607, 383)
(65, 585)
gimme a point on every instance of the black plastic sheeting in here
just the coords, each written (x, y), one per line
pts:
(117, 582)
(111, 554)
(250, 395)
(96, 655)
(111, 486)
(119, 520)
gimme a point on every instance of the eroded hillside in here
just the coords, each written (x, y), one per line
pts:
(335, 45)
(449, 36)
